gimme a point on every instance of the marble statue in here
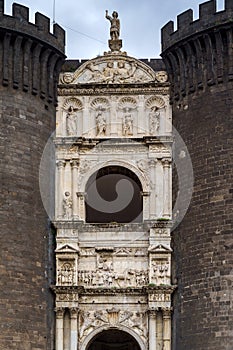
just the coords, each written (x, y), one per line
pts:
(115, 25)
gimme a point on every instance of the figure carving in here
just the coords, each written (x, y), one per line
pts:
(71, 122)
(115, 25)
(86, 322)
(65, 274)
(104, 263)
(161, 76)
(154, 121)
(99, 315)
(105, 277)
(160, 272)
(96, 74)
(127, 122)
(108, 73)
(100, 123)
(122, 73)
(67, 205)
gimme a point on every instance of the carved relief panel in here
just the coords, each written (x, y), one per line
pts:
(112, 270)
(112, 317)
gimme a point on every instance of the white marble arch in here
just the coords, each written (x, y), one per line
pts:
(116, 162)
(89, 337)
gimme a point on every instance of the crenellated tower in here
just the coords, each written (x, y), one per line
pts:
(30, 61)
(199, 60)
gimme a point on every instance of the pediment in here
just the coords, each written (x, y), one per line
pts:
(66, 248)
(110, 69)
(159, 248)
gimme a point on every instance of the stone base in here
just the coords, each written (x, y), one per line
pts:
(115, 45)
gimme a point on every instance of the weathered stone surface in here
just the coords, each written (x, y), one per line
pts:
(199, 61)
(27, 107)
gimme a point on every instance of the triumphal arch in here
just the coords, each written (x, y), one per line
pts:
(113, 203)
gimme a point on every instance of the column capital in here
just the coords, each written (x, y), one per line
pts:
(152, 312)
(166, 312)
(74, 312)
(74, 163)
(59, 311)
(166, 162)
(60, 164)
(153, 162)
(81, 194)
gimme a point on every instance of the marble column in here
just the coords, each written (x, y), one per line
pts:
(75, 165)
(166, 188)
(152, 329)
(114, 122)
(146, 205)
(59, 187)
(153, 189)
(59, 328)
(142, 127)
(81, 205)
(86, 117)
(73, 328)
(166, 329)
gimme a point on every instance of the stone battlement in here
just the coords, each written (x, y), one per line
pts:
(186, 26)
(19, 22)
(32, 56)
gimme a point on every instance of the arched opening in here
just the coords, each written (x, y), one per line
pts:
(114, 194)
(113, 339)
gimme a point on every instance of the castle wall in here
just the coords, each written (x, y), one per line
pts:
(30, 59)
(198, 57)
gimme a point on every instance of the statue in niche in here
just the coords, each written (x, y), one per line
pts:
(104, 263)
(71, 121)
(115, 25)
(154, 121)
(161, 272)
(67, 205)
(127, 122)
(66, 274)
(100, 123)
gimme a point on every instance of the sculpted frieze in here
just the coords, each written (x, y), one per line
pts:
(90, 320)
(111, 69)
(106, 277)
(160, 297)
(78, 91)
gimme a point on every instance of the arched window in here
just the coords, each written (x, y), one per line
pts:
(114, 194)
(113, 339)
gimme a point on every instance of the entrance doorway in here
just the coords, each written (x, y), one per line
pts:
(113, 339)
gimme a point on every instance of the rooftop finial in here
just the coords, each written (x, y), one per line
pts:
(115, 44)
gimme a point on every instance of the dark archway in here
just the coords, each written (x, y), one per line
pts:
(114, 194)
(113, 339)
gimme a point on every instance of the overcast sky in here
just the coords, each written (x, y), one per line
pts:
(87, 30)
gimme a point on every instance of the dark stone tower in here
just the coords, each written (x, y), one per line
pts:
(199, 59)
(30, 60)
